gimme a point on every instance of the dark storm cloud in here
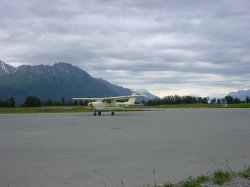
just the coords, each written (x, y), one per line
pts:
(124, 40)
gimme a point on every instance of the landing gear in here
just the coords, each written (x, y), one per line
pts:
(97, 113)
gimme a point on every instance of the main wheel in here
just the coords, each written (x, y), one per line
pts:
(94, 113)
(112, 113)
(99, 113)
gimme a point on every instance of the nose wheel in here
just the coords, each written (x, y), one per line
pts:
(112, 113)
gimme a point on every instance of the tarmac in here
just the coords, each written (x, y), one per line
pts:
(129, 149)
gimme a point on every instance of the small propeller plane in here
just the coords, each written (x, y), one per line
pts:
(110, 103)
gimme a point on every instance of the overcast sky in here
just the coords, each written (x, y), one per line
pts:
(198, 47)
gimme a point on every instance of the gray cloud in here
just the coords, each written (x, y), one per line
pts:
(192, 46)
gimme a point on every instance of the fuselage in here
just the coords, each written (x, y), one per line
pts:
(108, 105)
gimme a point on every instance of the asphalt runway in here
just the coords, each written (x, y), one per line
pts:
(81, 150)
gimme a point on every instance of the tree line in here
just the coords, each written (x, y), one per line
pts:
(176, 99)
(33, 101)
(169, 100)
(9, 102)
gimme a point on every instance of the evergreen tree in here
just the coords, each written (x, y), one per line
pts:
(229, 99)
(247, 100)
(1, 103)
(48, 102)
(205, 100)
(11, 102)
(75, 103)
(32, 101)
(149, 103)
(213, 100)
(177, 99)
(56, 103)
(62, 101)
(237, 100)
(199, 100)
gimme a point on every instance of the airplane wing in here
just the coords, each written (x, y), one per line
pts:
(123, 97)
(110, 98)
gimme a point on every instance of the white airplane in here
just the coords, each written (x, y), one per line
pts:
(110, 103)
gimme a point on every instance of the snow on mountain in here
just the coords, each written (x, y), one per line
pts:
(6, 69)
(241, 94)
(144, 92)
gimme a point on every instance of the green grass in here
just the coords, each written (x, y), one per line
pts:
(194, 182)
(220, 177)
(245, 173)
(51, 109)
(195, 105)
(200, 105)
(239, 105)
(68, 109)
(191, 182)
(47, 109)
(202, 179)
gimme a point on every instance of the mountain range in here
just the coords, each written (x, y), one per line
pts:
(6, 69)
(63, 80)
(241, 94)
(54, 82)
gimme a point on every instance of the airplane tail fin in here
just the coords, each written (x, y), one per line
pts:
(132, 100)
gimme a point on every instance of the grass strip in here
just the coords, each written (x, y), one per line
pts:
(200, 105)
(51, 109)
(245, 173)
(220, 177)
(59, 109)
(71, 109)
